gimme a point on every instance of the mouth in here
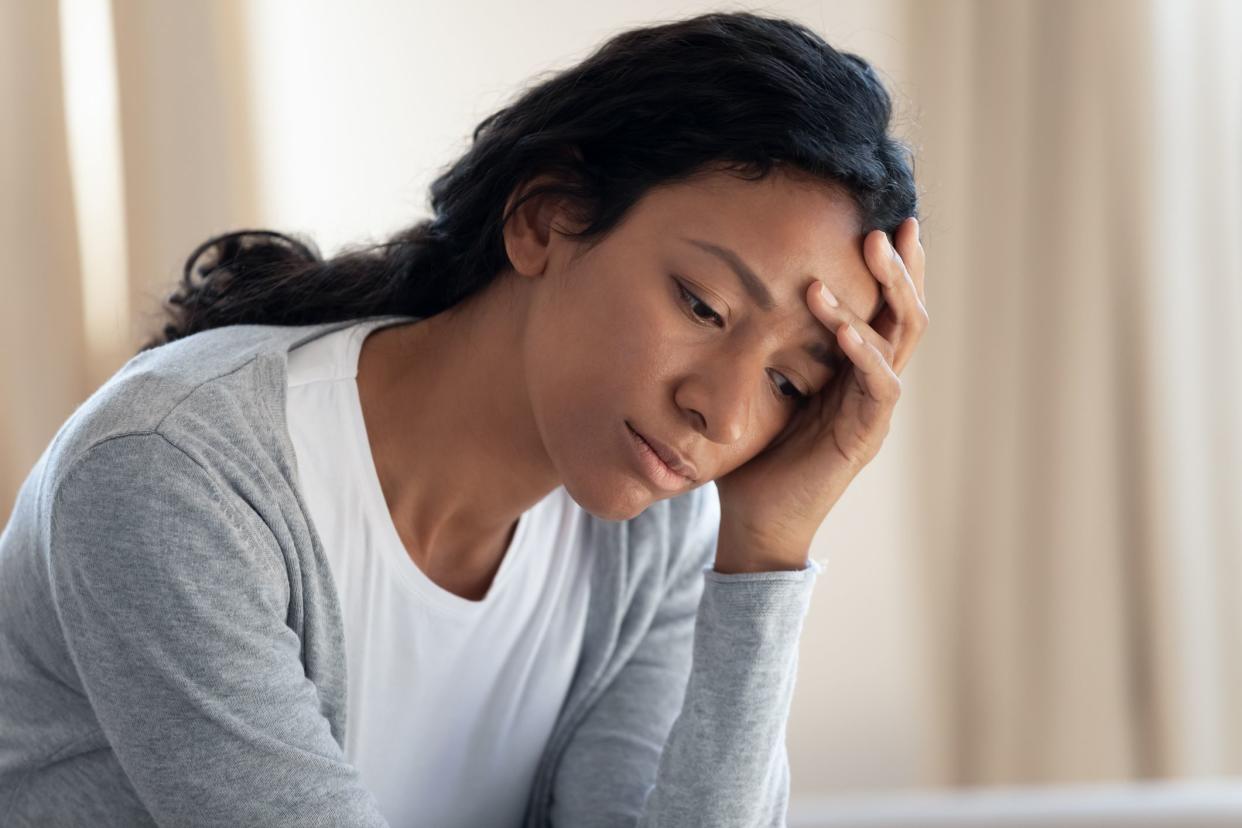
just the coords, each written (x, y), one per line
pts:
(654, 466)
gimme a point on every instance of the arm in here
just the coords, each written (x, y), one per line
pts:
(174, 614)
(692, 730)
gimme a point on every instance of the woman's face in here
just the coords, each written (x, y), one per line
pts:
(613, 342)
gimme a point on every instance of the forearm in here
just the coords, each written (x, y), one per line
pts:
(739, 550)
(724, 762)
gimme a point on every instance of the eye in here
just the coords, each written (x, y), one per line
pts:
(696, 304)
(789, 393)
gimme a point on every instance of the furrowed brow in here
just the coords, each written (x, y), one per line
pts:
(751, 283)
(758, 291)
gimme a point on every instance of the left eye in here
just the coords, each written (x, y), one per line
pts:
(790, 392)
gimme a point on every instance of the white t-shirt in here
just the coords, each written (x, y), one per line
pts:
(450, 701)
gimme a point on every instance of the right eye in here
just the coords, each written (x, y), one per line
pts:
(696, 305)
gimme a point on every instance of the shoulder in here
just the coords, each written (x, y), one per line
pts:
(675, 537)
(694, 520)
(135, 505)
(215, 389)
(696, 508)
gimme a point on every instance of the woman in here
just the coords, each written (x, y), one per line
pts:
(543, 470)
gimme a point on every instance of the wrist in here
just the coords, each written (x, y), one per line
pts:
(737, 553)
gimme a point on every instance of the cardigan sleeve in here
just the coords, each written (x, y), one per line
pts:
(174, 612)
(691, 731)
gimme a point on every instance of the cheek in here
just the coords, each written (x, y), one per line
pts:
(572, 378)
(580, 404)
(586, 371)
(591, 346)
(593, 360)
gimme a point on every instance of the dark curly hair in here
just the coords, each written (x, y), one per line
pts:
(734, 91)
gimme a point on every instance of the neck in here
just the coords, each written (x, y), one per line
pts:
(449, 420)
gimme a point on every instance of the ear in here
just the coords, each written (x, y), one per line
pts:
(531, 231)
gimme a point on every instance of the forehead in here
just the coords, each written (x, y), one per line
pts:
(788, 230)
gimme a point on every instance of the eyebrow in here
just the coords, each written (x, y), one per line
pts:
(758, 291)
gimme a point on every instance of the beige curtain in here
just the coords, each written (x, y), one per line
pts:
(1078, 407)
(165, 164)
(43, 359)
(1069, 434)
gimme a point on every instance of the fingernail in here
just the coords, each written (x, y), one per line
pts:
(827, 294)
(853, 334)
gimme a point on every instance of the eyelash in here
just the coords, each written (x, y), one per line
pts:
(797, 397)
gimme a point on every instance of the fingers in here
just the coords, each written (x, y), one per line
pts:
(899, 270)
(910, 249)
(873, 356)
(834, 315)
(879, 380)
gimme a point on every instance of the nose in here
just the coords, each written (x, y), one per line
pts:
(719, 397)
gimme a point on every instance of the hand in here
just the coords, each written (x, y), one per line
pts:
(772, 505)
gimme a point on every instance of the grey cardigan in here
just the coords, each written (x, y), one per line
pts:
(172, 651)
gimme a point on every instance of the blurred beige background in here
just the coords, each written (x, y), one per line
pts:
(1037, 582)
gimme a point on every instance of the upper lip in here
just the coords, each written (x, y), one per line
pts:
(672, 458)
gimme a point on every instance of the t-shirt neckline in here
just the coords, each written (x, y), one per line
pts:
(392, 546)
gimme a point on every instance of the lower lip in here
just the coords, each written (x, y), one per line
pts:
(658, 472)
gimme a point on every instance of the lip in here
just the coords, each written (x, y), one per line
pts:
(660, 471)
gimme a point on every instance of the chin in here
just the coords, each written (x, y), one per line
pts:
(610, 497)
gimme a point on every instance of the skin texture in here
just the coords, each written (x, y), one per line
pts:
(477, 413)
